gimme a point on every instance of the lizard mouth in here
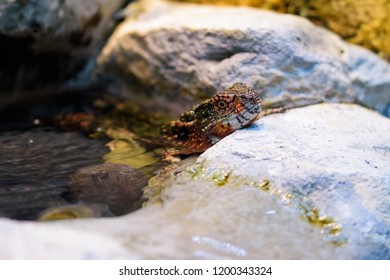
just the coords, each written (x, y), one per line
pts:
(236, 120)
(245, 117)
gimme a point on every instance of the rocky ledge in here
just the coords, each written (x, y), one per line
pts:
(311, 183)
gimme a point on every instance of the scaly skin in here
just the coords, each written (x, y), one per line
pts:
(212, 120)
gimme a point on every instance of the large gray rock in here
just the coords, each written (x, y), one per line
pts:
(48, 42)
(312, 183)
(183, 52)
(336, 157)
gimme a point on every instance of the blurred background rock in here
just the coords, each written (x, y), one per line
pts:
(366, 23)
(46, 43)
(48, 46)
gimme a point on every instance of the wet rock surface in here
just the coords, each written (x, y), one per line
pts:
(117, 185)
(278, 196)
(160, 53)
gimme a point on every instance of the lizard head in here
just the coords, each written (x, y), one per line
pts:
(227, 111)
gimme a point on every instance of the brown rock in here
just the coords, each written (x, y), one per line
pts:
(117, 185)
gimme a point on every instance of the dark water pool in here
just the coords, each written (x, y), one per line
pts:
(35, 166)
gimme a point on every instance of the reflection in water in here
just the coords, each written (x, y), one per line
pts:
(35, 166)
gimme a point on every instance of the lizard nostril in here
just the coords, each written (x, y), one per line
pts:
(183, 133)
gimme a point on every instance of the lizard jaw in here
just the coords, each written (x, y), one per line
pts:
(234, 122)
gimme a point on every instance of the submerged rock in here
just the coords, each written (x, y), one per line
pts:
(169, 51)
(312, 183)
(117, 185)
(35, 167)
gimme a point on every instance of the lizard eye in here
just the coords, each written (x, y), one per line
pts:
(221, 104)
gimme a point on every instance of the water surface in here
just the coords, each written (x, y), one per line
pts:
(35, 166)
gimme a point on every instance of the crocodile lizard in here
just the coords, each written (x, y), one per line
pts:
(197, 130)
(212, 120)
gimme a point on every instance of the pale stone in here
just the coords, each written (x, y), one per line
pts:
(336, 156)
(184, 52)
(29, 240)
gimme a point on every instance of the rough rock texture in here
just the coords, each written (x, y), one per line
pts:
(312, 183)
(359, 21)
(44, 42)
(336, 156)
(166, 51)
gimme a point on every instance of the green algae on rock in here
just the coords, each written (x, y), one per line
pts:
(329, 228)
(328, 169)
(163, 179)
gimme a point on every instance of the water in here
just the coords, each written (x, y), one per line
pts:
(35, 166)
(38, 155)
